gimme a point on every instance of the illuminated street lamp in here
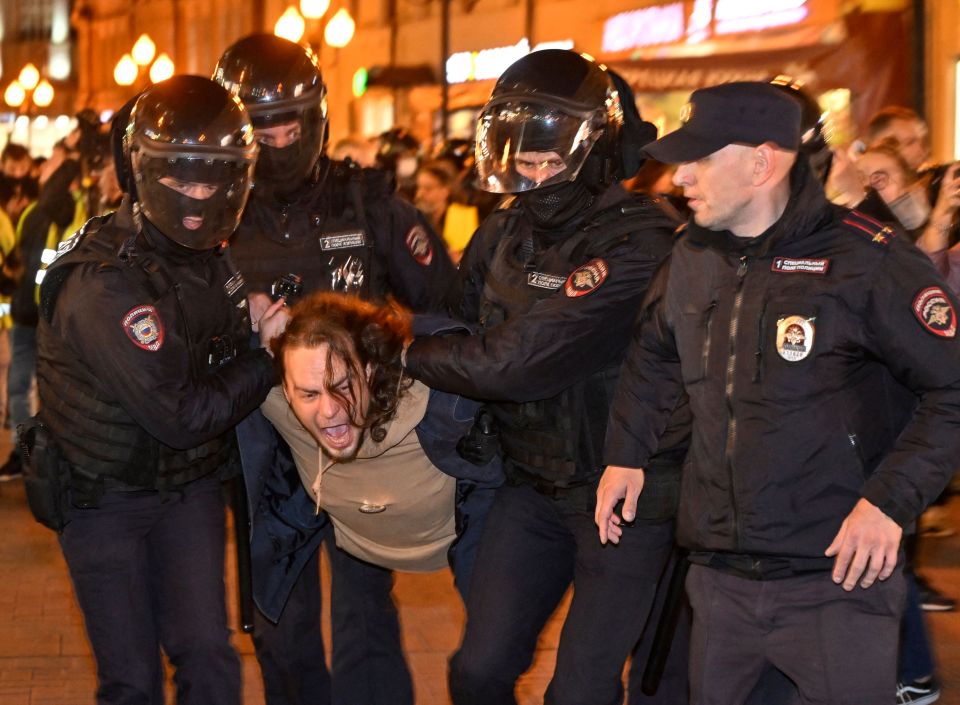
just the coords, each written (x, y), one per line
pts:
(29, 77)
(28, 89)
(314, 9)
(142, 55)
(340, 28)
(126, 70)
(162, 68)
(292, 24)
(43, 94)
(143, 50)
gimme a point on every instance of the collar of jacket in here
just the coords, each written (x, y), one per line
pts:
(806, 212)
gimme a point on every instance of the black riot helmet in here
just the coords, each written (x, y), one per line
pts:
(814, 129)
(121, 156)
(397, 152)
(183, 131)
(279, 82)
(550, 101)
(456, 150)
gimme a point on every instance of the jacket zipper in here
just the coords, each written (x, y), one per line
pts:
(707, 324)
(858, 453)
(728, 393)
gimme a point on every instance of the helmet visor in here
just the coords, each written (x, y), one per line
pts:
(196, 223)
(524, 145)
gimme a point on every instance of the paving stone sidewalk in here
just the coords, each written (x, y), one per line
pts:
(45, 659)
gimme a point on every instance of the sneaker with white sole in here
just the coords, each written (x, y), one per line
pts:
(917, 693)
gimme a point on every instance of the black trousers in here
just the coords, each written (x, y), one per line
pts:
(532, 547)
(148, 574)
(368, 665)
(833, 647)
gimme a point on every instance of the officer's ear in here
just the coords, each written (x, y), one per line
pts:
(769, 162)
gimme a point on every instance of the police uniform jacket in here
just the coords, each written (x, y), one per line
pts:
(822, 365)
(556, 312)
(345, 231)
(143, 359)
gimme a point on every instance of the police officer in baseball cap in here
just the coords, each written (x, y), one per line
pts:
(790, 323)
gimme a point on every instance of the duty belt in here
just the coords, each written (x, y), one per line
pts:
(754, 567)
(516, 476)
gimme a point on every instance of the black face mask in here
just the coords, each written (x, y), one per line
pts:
(281, 171)
(166, 208)
(557, 205)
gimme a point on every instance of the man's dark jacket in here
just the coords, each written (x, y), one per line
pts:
(791, 429)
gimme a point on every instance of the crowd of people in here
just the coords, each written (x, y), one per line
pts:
(673, 373)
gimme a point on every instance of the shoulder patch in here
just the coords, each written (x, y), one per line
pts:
(587, 278)
(419, 245)
(144, 327)
(935, 311)
(869, 228)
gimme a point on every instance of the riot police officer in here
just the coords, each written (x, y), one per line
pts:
(336, 227)
(144, 369)
(554, 282)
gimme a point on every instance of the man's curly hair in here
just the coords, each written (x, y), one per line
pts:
(360, 334)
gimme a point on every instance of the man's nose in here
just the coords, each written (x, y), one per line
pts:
(681, 177)
(328, 406)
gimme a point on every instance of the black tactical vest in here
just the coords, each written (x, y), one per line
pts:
(323, 237)
(97, 436)
(559, 440)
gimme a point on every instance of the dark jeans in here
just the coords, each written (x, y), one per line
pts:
(368, 664)
(532, 548)
(835, 647)
(916, 655)
(148, 573)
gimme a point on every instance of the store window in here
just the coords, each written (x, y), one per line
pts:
(376, 113)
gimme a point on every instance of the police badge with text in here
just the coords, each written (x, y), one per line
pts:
(143, 326)
(587, 278)
(795, 336)
(935, 311)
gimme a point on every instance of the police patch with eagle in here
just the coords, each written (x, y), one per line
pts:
(933, 308)
(144, 327)
(587, 278)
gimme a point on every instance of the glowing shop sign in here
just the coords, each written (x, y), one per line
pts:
(466, 66)
(671, 23)
(643, 28)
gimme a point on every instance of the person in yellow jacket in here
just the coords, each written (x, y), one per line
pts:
(7, 243)
(57, 213)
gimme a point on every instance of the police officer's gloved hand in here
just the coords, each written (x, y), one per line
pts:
(482, 441)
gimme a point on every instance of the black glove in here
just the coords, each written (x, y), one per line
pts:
(482, 441)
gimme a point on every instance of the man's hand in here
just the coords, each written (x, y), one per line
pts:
(866, 547)
(257, 303)
(272, 323)
(617, 483)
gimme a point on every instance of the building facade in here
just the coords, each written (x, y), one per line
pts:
(855, 56)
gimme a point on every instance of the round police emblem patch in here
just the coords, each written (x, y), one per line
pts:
(418, 242)
(143, 326)
(587, 278)
(936, 314)
(795, 336)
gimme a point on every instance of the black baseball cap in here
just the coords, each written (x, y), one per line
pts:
(746, 112)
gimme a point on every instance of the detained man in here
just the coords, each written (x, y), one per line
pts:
(373, 448)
